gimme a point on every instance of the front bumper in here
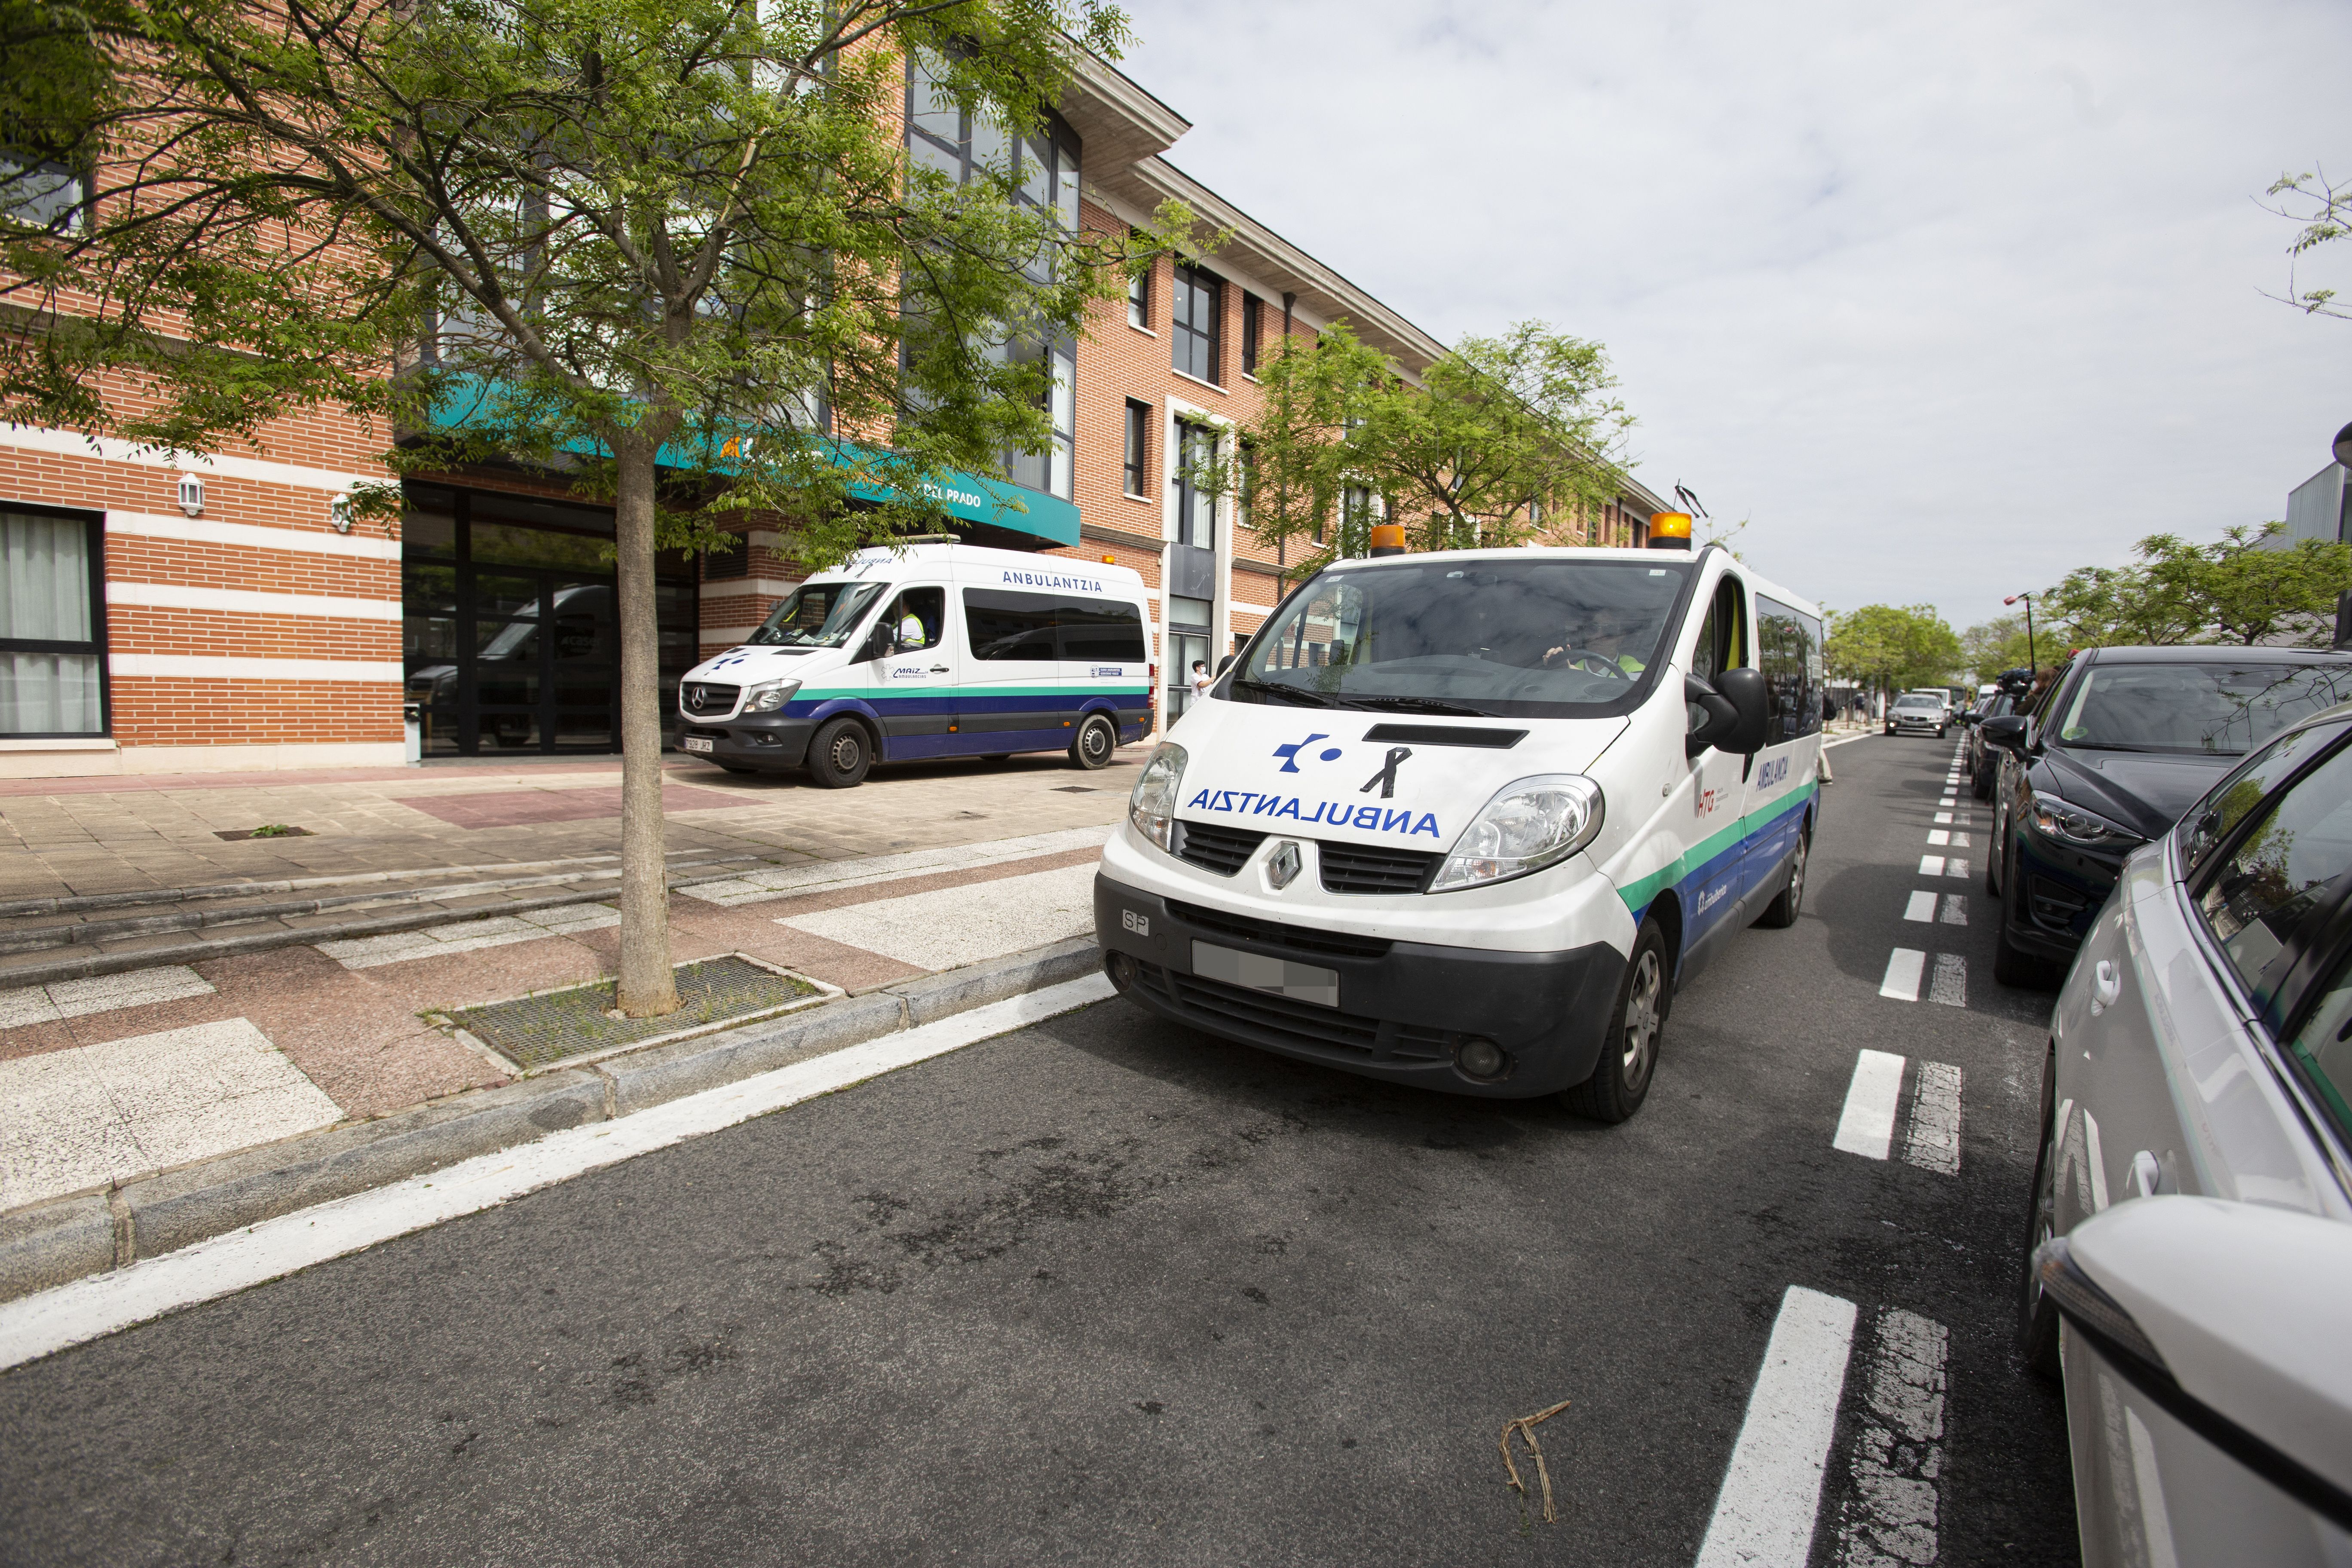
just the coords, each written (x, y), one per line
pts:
(1909, 723)
(1404, 1005)
(2055, 893)
(750, 740)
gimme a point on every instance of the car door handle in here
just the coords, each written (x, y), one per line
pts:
(2107, 983)
(2146, 1178)
(941, 670)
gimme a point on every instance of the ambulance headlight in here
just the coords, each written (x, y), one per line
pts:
(1152, 806)
(770, 696)
(1529, 825)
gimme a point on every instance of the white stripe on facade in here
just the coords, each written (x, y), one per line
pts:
(203, 531)
(108, 449)
(745, 587)
(243, 601)
(206, 667)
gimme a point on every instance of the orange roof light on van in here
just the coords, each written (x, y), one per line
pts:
(1670, 531)
(1388, 539)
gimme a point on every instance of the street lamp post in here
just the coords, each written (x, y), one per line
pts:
(2032, 659)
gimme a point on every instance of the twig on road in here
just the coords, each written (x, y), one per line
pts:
(1525, 1427)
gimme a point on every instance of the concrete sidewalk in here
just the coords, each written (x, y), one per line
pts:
(112, 1082)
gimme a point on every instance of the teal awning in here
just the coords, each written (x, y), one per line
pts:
(971, 497)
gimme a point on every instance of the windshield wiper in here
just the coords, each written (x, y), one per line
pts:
(1295, 694)
(1415, 705)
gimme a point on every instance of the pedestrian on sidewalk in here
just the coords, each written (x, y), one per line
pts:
(1829, 711)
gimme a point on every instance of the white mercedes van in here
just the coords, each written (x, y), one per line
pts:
(1467, 819)
(937, 650)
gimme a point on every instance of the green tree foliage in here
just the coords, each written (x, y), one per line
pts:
(1997, 645)
(1892, 649)
(2321, 211)
(2249, 587)
(620, 229)
(1499, 437)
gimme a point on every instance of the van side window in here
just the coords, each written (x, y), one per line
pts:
(1009, 626)
(1101, 631)
(1791, 657)
(1722, 637)
(918, 619)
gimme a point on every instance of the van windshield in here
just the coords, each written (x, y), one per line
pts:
(1541, 638)
(818, 614)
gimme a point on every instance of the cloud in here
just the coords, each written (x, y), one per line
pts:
(1947, 300)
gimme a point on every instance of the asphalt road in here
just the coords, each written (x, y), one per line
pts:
(1107, 1291)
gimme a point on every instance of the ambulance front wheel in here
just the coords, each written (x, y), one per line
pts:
(839, 753)
(1096, 739)
(1628, 1051)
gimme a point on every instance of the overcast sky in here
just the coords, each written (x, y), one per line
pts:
(1945, 299)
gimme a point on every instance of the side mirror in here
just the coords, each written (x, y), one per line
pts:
(1968, 716)
(2005, 734)
(880, 644)
(1728, 713)
(2227, 1317)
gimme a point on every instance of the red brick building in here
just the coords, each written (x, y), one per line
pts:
(224, 612)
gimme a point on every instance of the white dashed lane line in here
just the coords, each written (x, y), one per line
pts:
(1922, 907)
(1874, 1106)
(1904, 967)
(1956, 910)
(1889, 1514)
(1866, 1126)
(1772, 1489)
(1932, 1141)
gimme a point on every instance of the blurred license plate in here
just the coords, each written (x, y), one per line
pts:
(698, 743)
(1298, 982)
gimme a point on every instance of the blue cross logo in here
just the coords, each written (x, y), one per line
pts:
(1289, 753)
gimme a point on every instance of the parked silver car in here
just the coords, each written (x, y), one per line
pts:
(2202, 1046)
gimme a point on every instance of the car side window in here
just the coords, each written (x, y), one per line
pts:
(2210, 820)
(2283, 871)
(2322, 1046)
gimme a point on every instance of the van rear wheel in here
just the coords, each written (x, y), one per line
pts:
(1628, 1051)
(1782, 911)
(1096, 739)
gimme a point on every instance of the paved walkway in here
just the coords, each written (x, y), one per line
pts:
(107, 1078)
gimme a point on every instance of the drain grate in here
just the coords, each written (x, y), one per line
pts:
(537, 1031)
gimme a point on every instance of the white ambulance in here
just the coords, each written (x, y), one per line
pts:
(1467, 819)
(937, 650)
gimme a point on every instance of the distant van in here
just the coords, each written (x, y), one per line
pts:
(939, 650)
(1467, 819)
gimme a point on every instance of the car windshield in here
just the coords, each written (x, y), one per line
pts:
(1544, 637)
(2223, 709)
(1916, 702)
(818, 614)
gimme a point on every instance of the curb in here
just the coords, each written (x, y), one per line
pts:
(63, 1239)
(15, 976)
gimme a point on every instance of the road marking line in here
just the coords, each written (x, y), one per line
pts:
(1956, 910)
(1866, 1126)
(1932, 1141)
(1951, 985)
(1922, 907)
(1957, 866)
(1772, 1489)
(1949, 797)
(1898, 1445)
(37, 1325)
(1959, 841)
(1931, 864)
(1904, 966)
(1944, 816)
(1939, 836)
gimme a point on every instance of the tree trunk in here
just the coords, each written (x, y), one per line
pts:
(648, 988)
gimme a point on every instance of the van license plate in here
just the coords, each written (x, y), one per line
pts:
(1298, 982)
(697, 743)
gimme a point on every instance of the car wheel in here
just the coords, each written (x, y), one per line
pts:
(1980, 781)
(2012, 966)
(1890, 729)
(1782, 911)
(840, 753)
(1096, 739)
(1628, 1051)
(2037, 1318)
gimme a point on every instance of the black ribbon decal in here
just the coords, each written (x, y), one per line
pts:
(1386, 777)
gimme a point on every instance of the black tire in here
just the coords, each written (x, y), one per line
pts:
(1980, 779)
(1940, 733)
(1782, 911)
(2037, 1318)
(2012, 966)
(1092, 746)
(1629, 1052)
(840, 753)
(1890, 729)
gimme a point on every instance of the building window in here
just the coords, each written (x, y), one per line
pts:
(44, 189)
(1196, 502)
(1195, 313)
(1358, 509)
(1138, 300)
(730, 559)
(1044, 168)
(1138, 449)
(1253, 324)
(52, 625)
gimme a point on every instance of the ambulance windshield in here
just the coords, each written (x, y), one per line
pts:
(818, 614)
(1545, 637)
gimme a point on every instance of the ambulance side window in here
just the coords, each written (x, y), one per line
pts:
(1723, 635)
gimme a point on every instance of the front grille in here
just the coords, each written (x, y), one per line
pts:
(704, 700)
(1224, 850)
(1370, 868)
(1263, 1012)
(1274, 933)
(2053, 905)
